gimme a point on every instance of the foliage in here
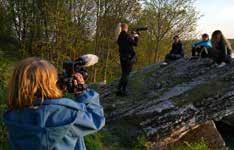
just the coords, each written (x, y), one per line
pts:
(191, 146)
(5, 69)
(232, 42)
(66, 29)
(140, 144)
(166, 19)
(93, 142)
(3, 136)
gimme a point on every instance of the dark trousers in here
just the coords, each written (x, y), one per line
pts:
(171, 57)
(218, 56)
(200, 52)
(126, 66)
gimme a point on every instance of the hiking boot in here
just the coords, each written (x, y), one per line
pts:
(164, 64)
(119, 93)
(221, 65)
(122, 93)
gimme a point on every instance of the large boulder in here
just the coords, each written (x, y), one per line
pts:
(206, 132)
(165, 102)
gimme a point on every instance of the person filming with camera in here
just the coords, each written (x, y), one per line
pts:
(38, 117)
(127, 55)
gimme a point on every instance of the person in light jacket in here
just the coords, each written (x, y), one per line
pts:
(38, 118)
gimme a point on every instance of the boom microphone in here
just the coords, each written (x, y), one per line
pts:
(89, 60)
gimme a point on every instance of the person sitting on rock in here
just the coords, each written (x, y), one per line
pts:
(221, 49)
(199, 49)
(177, 51)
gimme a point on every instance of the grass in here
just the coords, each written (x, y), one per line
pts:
(121, 135)
(94, 142)
(190, 146)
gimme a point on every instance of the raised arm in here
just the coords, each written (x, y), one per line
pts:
(91, 119)
(132, 40)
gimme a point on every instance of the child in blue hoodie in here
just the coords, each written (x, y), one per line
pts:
(200, 48)
(38, 118)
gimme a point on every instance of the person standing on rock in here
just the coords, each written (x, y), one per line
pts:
(127, 55)
(221, 49)
(177, 51)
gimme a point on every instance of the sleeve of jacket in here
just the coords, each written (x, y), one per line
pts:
(91, 119)
(229, 51)
(172, 49)
(223, 49)
(195, 44)
(132, 41)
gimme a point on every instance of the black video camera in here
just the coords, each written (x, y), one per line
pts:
(66, 81)
(138, 30)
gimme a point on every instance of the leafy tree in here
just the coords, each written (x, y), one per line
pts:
(166, 18)
(65, 29)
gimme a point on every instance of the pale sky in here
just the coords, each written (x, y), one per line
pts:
(217, 14)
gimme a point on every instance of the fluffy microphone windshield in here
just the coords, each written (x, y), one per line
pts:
(89, 59)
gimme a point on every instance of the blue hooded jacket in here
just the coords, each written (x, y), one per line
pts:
(206, 44)
(56, 124)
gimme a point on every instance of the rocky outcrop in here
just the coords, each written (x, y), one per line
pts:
(165, 102)
(206, 132)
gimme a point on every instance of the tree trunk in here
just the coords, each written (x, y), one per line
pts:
(156, 51)
(106, 63)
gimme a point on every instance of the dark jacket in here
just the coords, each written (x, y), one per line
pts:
(126, 44)
(221, 53)
(177, 49)
(55, 124)
(224, 50)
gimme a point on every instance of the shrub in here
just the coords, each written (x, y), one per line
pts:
(93, 142)
(191, 146)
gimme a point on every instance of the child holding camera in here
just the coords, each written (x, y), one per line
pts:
(39, 118)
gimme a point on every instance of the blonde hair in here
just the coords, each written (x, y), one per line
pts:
(120, 27)
(124, 26)
(33, 78)
(117, 31)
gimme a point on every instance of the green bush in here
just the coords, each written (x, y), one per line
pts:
(4, 77)
(140, 143)
(93, 142)
(191, 146)
(4, 145)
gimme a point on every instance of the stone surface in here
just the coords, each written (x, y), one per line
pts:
(165, 102)
(229, 120)
(208, 133)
